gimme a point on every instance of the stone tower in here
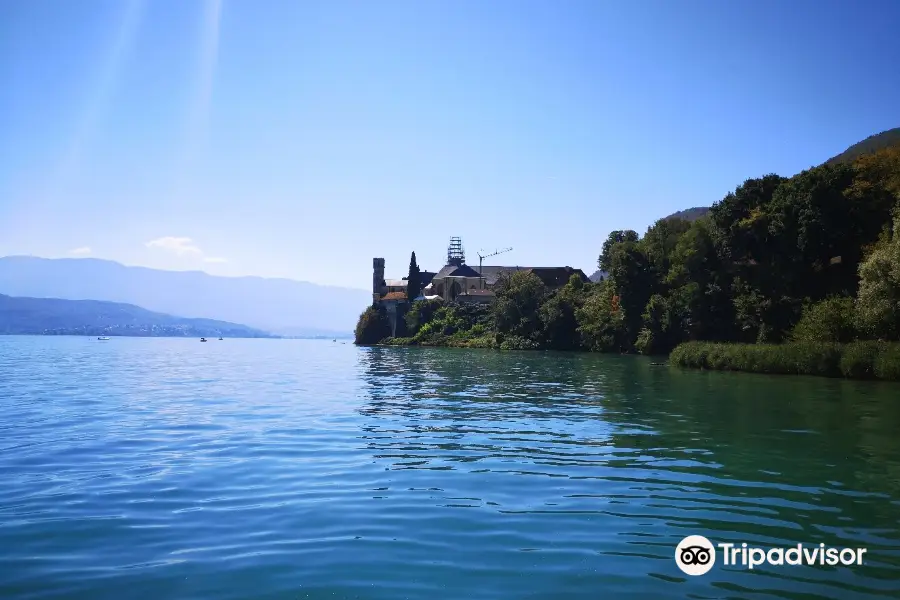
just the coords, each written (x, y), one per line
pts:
(377, 279)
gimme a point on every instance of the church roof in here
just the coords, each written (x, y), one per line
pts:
(555, 276)
(492, 273)
(456, 271)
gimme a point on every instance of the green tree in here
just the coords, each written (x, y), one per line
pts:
(558, 315)
(654, 336)
(632, 280)
(818, 232)
(741, 224)
(372, 327)
(518, 298)
(756, 231)
(659, 244)
(420, 313)
(878, 300)
(762, 317)
(413, 280)
(700, 287)
(831, 320)
(616, 237)
(601, 323)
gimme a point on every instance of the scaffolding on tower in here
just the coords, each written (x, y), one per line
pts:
(455, 254)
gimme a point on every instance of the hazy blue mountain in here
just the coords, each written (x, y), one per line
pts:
(598, 276)
(93, 317)
(276, 305)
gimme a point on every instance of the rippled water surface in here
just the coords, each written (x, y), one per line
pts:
(164, 468)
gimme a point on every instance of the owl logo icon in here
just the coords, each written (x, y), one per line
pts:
(695, 555)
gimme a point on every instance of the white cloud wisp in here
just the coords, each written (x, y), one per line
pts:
(182, 246)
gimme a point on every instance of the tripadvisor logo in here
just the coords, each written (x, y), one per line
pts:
(696, 555)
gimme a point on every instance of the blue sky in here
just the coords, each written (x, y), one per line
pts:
(300, 139)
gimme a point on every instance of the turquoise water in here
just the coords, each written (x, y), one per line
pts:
(167, 468)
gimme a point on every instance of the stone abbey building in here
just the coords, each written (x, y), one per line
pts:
(459, 282)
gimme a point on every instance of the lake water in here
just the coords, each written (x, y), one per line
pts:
(167, 468)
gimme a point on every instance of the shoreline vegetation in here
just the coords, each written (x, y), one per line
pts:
(784, 275)
(856, 360)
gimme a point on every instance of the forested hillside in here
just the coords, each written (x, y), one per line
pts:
(870, 145)
(690, 214)
(812, 257)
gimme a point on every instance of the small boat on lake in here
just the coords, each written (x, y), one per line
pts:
(220, 339)
(202, 339)
(103, 338)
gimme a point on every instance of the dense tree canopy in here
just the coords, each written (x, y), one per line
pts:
(815, 251)
(811, 257)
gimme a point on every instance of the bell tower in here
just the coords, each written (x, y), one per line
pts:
(377, 279)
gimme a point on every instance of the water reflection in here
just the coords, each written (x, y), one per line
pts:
(654, 454)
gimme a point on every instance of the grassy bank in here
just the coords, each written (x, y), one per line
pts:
(856, 360)
(450, 341)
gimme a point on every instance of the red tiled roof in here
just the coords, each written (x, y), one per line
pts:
(394, 296)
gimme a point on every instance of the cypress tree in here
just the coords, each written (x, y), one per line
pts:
(413, 280)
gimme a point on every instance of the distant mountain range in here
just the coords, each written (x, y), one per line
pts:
(49, 316)
(280, 306)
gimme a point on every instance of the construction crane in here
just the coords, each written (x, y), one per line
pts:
(481, 256)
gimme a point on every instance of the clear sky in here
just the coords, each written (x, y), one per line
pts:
(300, 139)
